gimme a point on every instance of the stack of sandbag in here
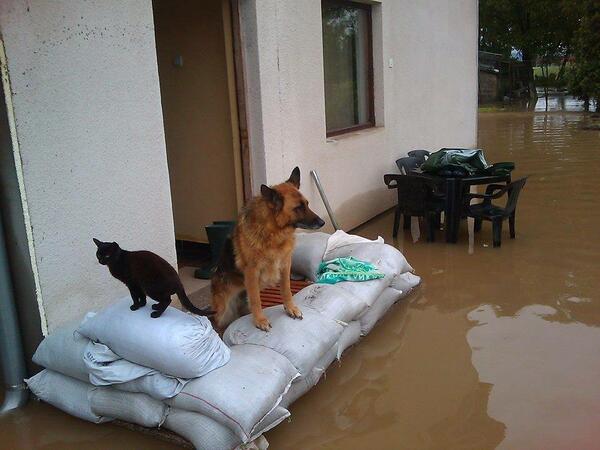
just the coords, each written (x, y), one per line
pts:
(357, 306)
(156, 358)
(173, 372)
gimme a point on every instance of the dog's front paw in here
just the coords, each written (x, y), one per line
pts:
(262, 323)
(134, 307)
(293, 311)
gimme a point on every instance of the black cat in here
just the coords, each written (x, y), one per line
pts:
(145, 274)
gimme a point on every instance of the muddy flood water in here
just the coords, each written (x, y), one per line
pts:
(498, 348)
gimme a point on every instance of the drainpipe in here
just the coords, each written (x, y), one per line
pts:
(12, 362)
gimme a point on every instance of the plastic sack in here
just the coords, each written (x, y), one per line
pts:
(302, 342)
(308, 254)
(242, 393)
(378, 309)
(178, 344)
(62, 351)
(330, 301)
(106, 368)
(140, 409)
(65, 393)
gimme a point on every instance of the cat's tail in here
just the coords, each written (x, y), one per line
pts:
(185, 301)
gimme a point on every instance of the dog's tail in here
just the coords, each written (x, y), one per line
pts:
(185, 301)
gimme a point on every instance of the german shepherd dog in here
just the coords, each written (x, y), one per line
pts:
(259, 254)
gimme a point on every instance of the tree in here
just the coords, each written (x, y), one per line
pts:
(536, 28)
(584, 80)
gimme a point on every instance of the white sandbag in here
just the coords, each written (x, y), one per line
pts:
(308, 254)
(406, 282)
(367, 291)
(106, 368)
(203, 432)
(243, 392)
(386, 258)
(62, 351)
(302, 342)
(140, 409)
(330, 301)
(302, 385)
(260, 443)
(178, 344)
(378, 309)
(350, 336)
(65, 393)
(341, 239)
(207, 434)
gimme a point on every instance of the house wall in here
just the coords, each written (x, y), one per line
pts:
(428, 99)
(89, 128)
(197, 114)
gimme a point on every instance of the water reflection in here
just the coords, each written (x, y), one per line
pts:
(556, 102)
(543, 374)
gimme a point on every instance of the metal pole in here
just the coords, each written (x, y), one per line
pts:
(12, 362)
(324, 198)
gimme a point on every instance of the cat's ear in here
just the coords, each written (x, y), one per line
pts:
(97, 242)
(272, 196)
(294, 178)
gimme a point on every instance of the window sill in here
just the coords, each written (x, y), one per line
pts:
(354, 133)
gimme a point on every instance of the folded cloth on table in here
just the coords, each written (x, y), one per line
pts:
(347, 269)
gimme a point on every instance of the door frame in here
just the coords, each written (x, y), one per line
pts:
(240, 94)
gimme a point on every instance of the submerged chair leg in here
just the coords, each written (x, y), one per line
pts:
(396, 222)
(497, 232)
(477, 225)
(511, 225)
(407, 222)
(430, 222)
(438, 221)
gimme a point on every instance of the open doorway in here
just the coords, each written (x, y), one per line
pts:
(201, 111)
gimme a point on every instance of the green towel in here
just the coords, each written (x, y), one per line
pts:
(347, 269)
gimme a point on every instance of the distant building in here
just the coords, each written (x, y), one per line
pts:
(500, 77)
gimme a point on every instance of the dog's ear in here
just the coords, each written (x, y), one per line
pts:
(97, 242)
(295, 177)
(272, 196)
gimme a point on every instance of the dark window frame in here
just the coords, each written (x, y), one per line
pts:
(370, 78)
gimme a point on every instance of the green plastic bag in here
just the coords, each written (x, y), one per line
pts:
(470, 161)
(347, 269)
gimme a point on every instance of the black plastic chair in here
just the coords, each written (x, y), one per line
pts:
(416, 197)
(496, 214)
(408, 164)
(421, 154)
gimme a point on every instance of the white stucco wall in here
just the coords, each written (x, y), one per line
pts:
(428, 99)
(89, 126)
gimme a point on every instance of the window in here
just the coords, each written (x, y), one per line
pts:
(348, 61)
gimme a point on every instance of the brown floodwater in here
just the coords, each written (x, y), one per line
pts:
(496, 348)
